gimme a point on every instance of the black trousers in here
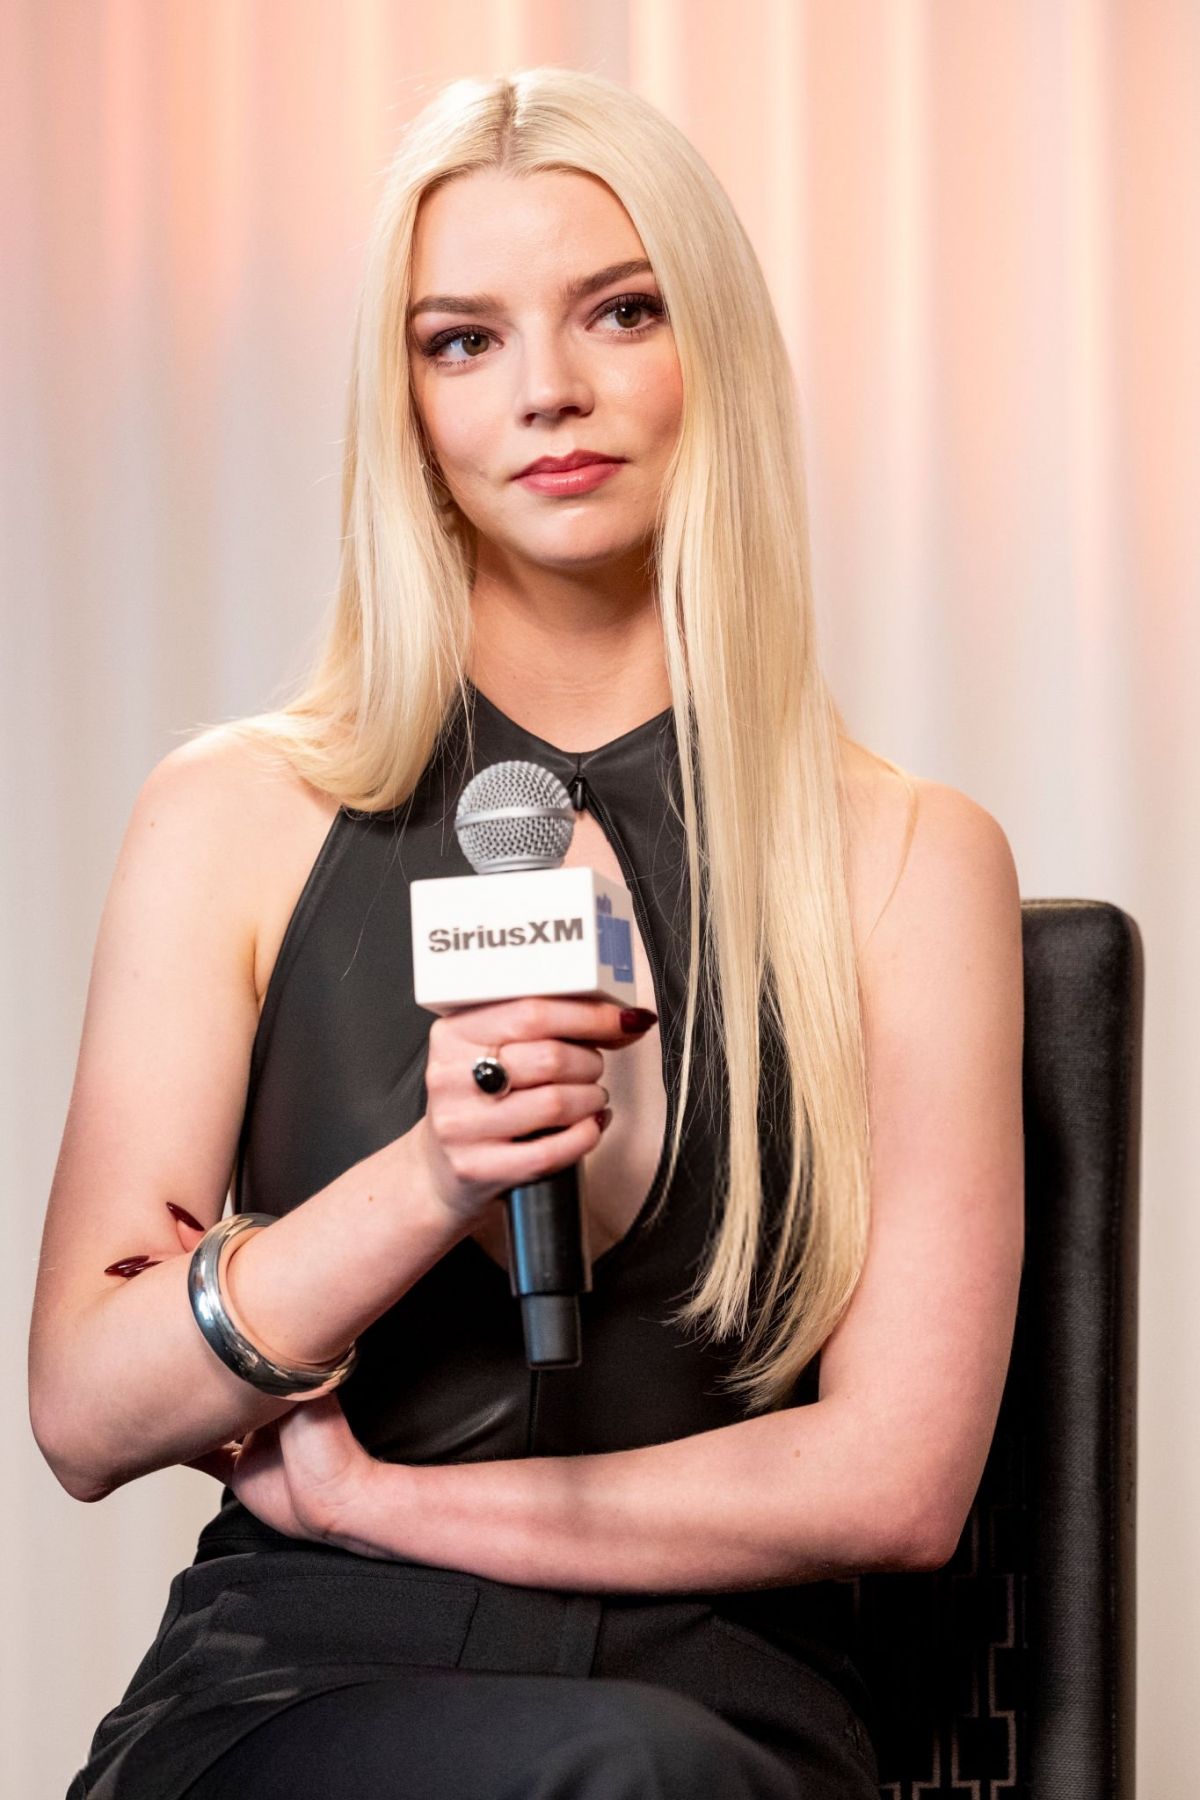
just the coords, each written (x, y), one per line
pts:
(321, 1676)
(497, 1737)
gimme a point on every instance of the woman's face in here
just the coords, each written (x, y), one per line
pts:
(509, 365)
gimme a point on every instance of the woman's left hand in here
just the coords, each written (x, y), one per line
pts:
(301, 1473)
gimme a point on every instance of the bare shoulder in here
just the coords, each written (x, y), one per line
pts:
(259, 822)
(236, 772)
(918, 849)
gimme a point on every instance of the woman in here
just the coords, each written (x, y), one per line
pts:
(435, 1570)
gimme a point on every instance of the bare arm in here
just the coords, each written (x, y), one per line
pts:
(120, 1379)
(141, 1389)
(771, 1500)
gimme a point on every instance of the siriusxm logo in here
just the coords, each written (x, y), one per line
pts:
(615, 940)
(484, 937)
(613, 937)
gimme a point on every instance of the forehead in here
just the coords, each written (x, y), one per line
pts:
(556, 221)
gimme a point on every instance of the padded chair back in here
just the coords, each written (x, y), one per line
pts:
(1008, 1674)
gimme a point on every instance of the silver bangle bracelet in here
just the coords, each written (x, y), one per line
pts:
(232, 1346)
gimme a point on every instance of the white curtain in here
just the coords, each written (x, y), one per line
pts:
(981, 224)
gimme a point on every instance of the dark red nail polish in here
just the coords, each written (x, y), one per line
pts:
(183, 1215)
(602, 1118)
(132, 1265)
(637, 1018)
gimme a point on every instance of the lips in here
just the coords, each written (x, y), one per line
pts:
(578, 459)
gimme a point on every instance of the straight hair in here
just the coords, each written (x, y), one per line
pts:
(765, 794)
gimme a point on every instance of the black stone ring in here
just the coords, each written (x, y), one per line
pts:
(490, 1074)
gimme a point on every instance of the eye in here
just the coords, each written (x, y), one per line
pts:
(635, 303)
(649, 303)
(452, 337)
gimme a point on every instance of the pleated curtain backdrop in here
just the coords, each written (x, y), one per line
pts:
(980, 220)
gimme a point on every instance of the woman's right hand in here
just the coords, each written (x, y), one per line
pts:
(470, 1140)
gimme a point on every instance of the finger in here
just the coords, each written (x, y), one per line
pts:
(219, 1463)
(517, 1164)
(550, 1015)
(129, 1266)
(532, 1110)
(539, 1061)
(188, 1229)
(188, 1232)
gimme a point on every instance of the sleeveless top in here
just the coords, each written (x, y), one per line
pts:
(337, 1071)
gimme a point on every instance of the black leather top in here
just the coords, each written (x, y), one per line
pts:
(337, 1071)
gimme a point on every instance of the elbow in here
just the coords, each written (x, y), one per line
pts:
(81, 1485)
(79, 1482)
(87, 1492)
(931, 1542)
(907, 1535)
(90, 1488)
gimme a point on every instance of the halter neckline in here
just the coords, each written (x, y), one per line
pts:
(570, 756)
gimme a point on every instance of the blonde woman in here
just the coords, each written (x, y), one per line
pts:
(435, 1570)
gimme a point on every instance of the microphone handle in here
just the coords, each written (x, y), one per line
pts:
(548, 1265)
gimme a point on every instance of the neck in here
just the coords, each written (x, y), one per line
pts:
(572, 662)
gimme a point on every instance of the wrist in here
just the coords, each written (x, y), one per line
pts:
(416, 1183)
(374, 1519)
(223, 1324)
(328, 1268)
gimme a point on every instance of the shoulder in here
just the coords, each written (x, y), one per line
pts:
(207, 802)
(236, 820)
(221, 766)
(919, 853)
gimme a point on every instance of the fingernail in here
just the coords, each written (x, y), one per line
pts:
(183, 1215)
(602, 1118)
(132, 1265)
(637, 1018)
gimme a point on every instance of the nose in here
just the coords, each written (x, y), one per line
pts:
(552, 379)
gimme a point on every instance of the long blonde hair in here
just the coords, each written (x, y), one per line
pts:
(764, 799)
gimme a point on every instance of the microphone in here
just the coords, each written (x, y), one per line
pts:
(525, 925)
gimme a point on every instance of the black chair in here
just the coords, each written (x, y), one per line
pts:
(1008, 1674)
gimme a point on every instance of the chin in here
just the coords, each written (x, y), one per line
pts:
(580, 540)
(575, 557)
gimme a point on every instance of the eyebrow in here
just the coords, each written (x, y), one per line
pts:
(568, 291)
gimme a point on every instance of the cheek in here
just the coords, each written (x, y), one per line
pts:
(458, 428)
(658, 398)
(672, 407)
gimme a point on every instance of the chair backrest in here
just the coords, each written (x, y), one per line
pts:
(1008, 1674)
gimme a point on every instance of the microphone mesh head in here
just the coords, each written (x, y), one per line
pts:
(514, 815)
